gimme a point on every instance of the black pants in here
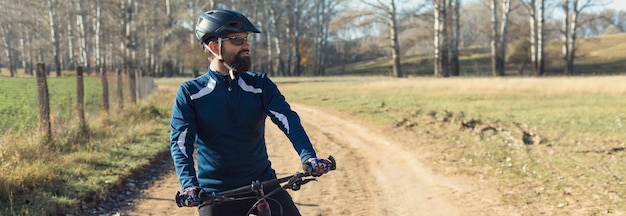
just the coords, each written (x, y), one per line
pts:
(281, 204)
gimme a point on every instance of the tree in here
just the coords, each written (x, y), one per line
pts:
(536, 17)
(447, 36)
(54, 34)
(388, 12)
(456, 39)
(572, 10)
(499, 35)
(441, 63)
(323, 12)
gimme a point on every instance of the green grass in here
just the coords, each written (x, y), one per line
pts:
(19, 101)
(53, 177)
(554, 103)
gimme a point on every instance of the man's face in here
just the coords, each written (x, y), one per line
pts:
(237, 52)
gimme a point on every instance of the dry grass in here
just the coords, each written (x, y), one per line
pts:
(52, 177)
(515, 85)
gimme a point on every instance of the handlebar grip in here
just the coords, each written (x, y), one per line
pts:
(177, 199)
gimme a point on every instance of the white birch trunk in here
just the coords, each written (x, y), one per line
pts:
(97, 38)
(395, 44)
(82, 35)
(565, 30)
(54, 34)
(70, 37)
(437, 37)
(506, 10)
(532, 18)
(540, 39)
(495, 36)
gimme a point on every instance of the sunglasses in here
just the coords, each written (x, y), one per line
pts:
(237, 40)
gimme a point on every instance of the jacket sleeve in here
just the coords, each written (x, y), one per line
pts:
(280, 112)
(182, 138)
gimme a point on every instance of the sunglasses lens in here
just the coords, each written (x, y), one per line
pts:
(237, 41)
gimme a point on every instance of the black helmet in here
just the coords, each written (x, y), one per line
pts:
(221, 23)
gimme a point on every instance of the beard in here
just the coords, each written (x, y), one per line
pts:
(241, 63)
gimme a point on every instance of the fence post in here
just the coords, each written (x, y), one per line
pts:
(80, 97)
(44, 101)
(120, 95)
(105, 88)
(132, 85)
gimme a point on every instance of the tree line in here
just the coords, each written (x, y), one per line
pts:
(299, 37)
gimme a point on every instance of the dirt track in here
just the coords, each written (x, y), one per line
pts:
(378, 174)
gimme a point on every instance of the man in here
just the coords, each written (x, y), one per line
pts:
(224, 112)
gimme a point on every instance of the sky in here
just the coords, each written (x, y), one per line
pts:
(615, 4)
(618, 4)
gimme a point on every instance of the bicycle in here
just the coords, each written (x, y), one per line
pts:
(293, 182)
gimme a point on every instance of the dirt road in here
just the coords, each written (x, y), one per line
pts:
(379, 173)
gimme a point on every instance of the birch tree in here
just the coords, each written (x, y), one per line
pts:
(536, 17)
(388, 12)
(499, 35)
(54, 36)
(298, 17)
(447, 36)
(70, 36)
(82, 36)
(440, 63)
(456, 38)
(569, 30)
(7, 36)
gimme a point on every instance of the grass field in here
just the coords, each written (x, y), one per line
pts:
(19, 101)
(547, 142)
(48, 177)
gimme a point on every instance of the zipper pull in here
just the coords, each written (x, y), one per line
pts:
(231, 79)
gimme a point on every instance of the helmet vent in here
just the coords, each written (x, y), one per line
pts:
(235, 24)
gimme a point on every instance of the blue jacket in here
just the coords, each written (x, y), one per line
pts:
(226, 120)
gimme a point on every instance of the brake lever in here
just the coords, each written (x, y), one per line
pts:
(332, 160)
(304, 181)
(177, 199)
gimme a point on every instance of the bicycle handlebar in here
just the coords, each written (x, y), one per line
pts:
(293, 182)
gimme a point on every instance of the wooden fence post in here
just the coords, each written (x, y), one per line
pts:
(132, 85)
(120, 95)
(105, 88)
(44, 101)
(80, 97)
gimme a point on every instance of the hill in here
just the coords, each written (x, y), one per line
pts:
(602, 55)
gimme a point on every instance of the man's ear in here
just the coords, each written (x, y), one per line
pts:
(212, 47)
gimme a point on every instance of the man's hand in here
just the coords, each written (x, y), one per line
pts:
(190, 197)
(317, 166)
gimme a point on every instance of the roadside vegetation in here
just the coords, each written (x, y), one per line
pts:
(75, 167)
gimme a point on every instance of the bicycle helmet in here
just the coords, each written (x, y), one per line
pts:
(221, 23)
